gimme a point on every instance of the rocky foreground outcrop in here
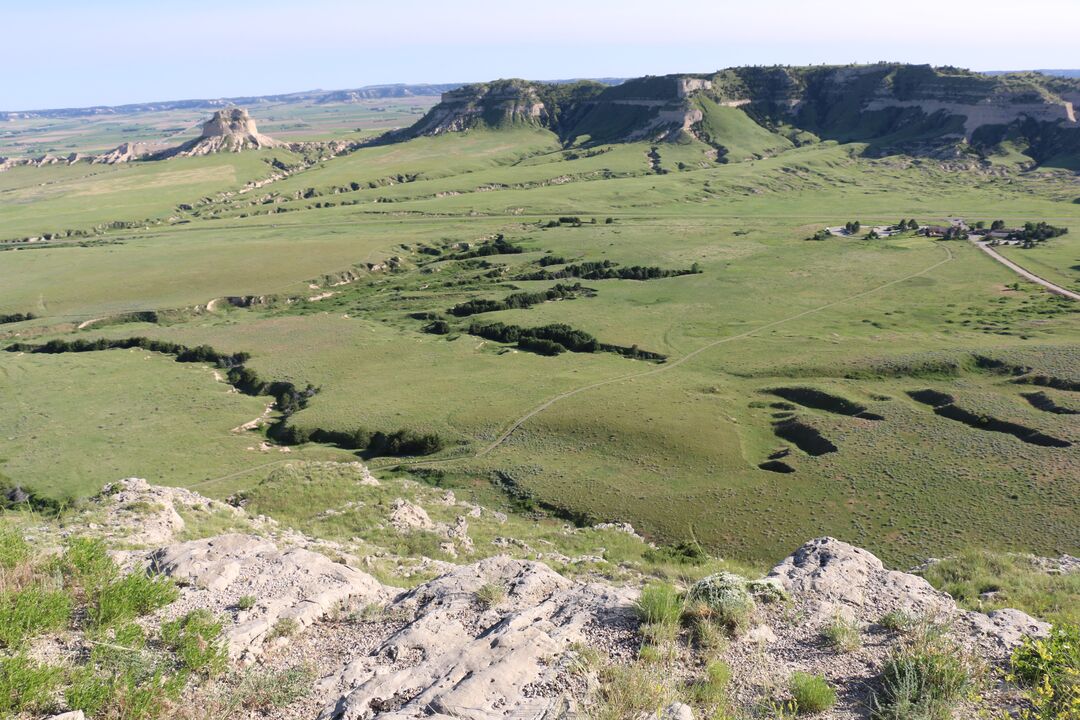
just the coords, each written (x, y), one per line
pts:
(498, 638)
(504, 637)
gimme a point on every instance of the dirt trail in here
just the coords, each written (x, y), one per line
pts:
(664, 368)
(253, 424)
(1027, 274)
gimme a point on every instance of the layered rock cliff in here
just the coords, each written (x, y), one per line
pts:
(893, 108)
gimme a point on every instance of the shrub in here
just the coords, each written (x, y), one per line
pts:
(812, 694)
(1050, 668)
(26, 686)
(490, 595)
(923, 678)
(245, 603)
(683, 553)
(842, 634)
(131, 596)
(723, 598)
(767, 590)
(29, 612)
(196, 641)
(438, 327)
(659, 604)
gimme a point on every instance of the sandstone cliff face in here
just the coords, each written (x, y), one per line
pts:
(926, 108)
(494, 104)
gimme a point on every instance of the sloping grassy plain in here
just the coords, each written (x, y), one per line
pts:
(674, 447)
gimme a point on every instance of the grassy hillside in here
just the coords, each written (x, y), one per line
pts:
(761, 316)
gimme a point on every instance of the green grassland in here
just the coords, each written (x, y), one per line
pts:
(672, 447)
(57, 198)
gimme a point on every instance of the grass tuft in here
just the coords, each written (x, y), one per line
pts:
(842, 634)
(490, 595)
(811, 693)
(659, 604)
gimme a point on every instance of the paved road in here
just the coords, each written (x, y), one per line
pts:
(1056, 289)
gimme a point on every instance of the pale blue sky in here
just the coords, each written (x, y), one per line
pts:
(64, 53)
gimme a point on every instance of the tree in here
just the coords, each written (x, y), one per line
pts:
(997, 225)
(912, 224)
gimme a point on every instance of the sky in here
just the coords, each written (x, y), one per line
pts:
(74, 53)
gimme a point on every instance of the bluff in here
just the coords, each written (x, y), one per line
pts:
(917, 109)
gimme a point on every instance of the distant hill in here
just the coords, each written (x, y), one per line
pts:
(1056, 73)
(752, 111)
(312, 96)
(369, 92)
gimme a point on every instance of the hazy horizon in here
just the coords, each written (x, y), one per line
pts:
(120, 52)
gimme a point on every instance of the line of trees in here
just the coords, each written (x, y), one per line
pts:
(16, 317)
(560, 335)
(607, 270)
(374, 444)
(288, 397)
(519, 300)
(555, 339)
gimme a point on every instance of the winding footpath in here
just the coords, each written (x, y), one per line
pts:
(1026, 274)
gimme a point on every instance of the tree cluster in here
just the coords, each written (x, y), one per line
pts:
(561, 335)
(372, 444)
(607, 270)
(499, 246)
(517, 300)
(16, 317)
(1037, 232)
